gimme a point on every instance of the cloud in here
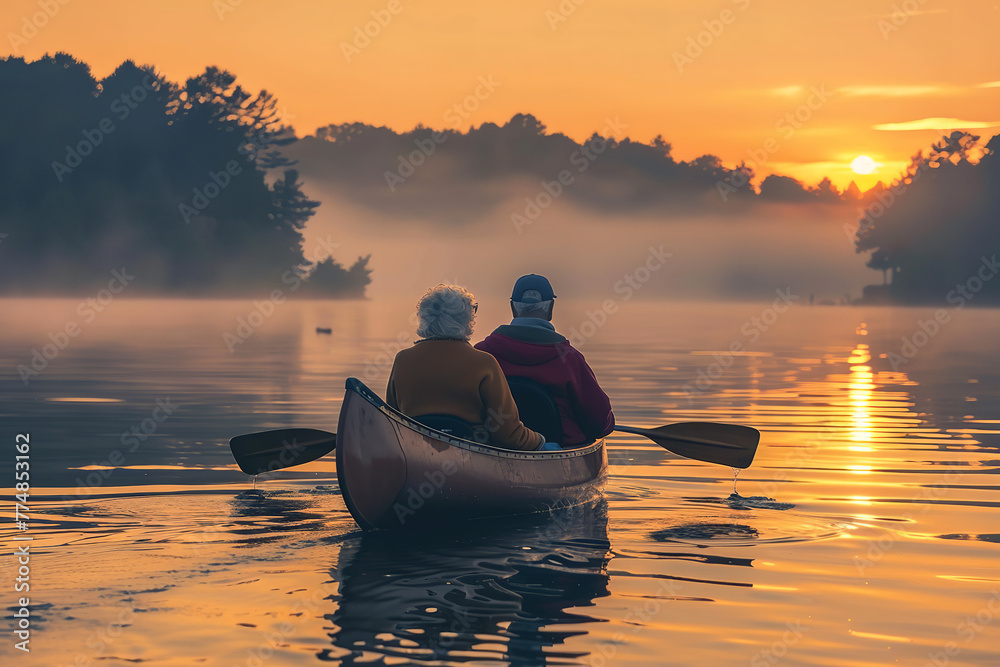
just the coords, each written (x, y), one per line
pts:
(936, 124)
(787, 91)
(912, 90)
(915, 12)
(896, 91)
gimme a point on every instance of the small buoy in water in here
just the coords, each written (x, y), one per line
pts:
(324, 330)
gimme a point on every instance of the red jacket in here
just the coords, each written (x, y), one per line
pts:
(550, 360)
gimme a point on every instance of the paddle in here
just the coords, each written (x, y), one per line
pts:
(273, 450)
(726, 444)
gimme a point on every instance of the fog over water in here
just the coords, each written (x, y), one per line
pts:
(742, 256)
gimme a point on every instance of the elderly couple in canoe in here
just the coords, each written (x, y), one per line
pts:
(447, 384)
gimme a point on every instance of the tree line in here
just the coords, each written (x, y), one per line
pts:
(466, 171)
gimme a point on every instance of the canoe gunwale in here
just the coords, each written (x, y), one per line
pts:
(358, 387)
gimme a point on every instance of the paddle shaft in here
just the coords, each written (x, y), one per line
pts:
(723, 444)
(727, 444)
(659, 436)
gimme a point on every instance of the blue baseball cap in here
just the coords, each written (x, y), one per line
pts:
(532, 282)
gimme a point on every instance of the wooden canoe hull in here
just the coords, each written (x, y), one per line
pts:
(394, 472)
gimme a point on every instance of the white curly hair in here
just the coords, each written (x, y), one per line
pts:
(446, 311)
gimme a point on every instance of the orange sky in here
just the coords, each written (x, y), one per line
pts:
(882, 72)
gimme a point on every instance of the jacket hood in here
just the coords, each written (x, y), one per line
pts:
(524, 346)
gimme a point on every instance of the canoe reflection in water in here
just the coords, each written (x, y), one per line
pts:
(498, 592)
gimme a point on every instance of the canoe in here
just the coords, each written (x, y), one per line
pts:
(395, 472)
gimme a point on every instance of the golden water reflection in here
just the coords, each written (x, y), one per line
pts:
(862, 386)
(869, 515)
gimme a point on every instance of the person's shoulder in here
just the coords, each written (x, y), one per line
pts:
(405, 358)
(483, 355)
(488, 341)
(567, 348)
(567, 351)
(408, 352)
(483, 364)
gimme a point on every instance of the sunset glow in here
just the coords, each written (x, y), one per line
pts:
(655, 66)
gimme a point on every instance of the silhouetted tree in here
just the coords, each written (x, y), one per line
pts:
(133, 170)
(526, 123)
(880, 261)
(937, 229)
(825, 191)
(852, 193)
(329, 277)
(784, 189)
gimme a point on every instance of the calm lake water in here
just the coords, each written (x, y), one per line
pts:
(865, 533)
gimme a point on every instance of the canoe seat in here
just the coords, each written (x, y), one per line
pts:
(454, 426)
(537, 408)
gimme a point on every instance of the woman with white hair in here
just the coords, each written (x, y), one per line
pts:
(442, 374)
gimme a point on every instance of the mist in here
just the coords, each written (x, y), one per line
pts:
(589, 254)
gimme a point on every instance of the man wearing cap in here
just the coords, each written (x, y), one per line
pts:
(530, 347)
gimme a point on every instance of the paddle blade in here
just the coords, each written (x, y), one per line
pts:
(273, 450)
(725, 444)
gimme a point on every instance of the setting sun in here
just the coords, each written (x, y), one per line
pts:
(863, 165)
